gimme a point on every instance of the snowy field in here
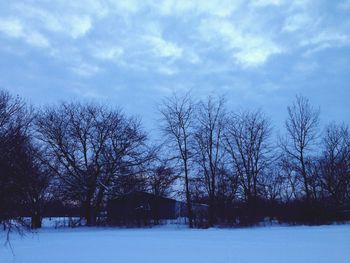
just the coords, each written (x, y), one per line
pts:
(169, 244)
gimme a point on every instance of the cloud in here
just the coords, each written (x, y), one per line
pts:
(298, 21)
(106, 52)
(248, 49)
(163, 48)
(172, 36)
(14, 28)
(79, 25)
(219, 8)
(126, 6)
(256, 55)
(85, 70)
(324, 40)
(262, 3)
(152, 38)
(75, 24)
(36, 39)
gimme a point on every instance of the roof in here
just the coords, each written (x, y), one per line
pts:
(145, 194)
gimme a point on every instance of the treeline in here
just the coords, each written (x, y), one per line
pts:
(83, 154)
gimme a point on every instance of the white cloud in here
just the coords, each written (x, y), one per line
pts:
(39, 17)
(163, 48)
(167, 36)
(103, 52)
(126, 6)
(257, 54)
(248, 49)
(152, 40)
(37, 39)
(78, 25)
(220, 8)
(324, 40)
(85, 70)
(11, 27)
(267, 2)
(75, 24)
(193, 57)
(298, 21)
(166, 70)
(328, 37)
(14, 28)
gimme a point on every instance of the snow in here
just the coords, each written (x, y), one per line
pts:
(169, 244)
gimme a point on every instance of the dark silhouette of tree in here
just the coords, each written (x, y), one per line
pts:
(209, 133)
(162, 176)
(177, 125)
(89, 147)
(247, 143)
(23, 179)
(335, 163)
(302, 131)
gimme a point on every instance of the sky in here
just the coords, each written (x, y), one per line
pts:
(255, 53)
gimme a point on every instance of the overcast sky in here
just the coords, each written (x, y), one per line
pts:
(132, 53)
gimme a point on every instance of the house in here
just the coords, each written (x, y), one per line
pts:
(141, 208)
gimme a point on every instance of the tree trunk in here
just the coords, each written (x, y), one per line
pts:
(36, 221)
(305, 179)
(211, 211)
(188, 197)
(90, 215)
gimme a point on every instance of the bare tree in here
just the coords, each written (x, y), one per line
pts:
(302, 131)
(273, 184)
(335, 163)
(210, 153)
(12, 109)
(162, 176)
(88, 147)
(23, 184)
(15, 116)
(31, 179)
(292, 184)
(177, 124)
(247, 143)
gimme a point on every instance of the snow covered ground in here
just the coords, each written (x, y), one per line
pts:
(300, 244)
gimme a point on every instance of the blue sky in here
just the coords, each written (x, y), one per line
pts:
(132, 53)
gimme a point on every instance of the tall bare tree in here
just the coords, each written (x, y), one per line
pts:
(335, 163)
(247, 143)
(23, 182)
(209, 150)
(177, 124)
(302, 131)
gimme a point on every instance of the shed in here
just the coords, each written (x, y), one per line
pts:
(140, 208)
